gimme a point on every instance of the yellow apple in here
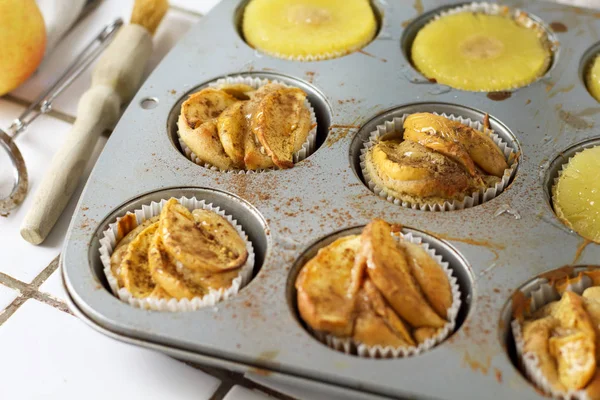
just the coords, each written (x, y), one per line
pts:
(22, 42)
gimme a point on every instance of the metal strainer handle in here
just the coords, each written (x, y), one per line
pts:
(19, 189)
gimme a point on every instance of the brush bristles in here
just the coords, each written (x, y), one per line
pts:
(149, 13)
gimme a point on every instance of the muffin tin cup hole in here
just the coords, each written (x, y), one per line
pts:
(535, 293)
(557, 164)
(316, 99)
(502, 131)
(458, 265)
(411, 31)
(586, 63)
(249, 218)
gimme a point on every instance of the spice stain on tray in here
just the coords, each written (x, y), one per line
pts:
(499, 96)
(558, 27)
(566, 89)
(574, 120)
(418, 5)
(260, 371)
(268, 355)
(498, 374)
(477, 364)
(581, 249)
(339, 132)
(373, 56)
(491, 246)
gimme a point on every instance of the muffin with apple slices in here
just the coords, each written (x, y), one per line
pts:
(178, 257)
(482, 47)
(576, 194)
(436, 162)
(308, 30)
(378, 294)
(246, 124)
(559, 342)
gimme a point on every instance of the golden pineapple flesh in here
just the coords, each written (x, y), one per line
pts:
(576, 195)
(480, 52)
(308, 29)
(592, 78)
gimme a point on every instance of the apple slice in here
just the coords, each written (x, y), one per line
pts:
(212, 246)
(205, 143)
(327, 287)
(205, 105)
(233, 128)
(276, 121)
(370, 328)
(431, 278)
(135, 271)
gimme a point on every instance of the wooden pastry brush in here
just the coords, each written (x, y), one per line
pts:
(115, 80)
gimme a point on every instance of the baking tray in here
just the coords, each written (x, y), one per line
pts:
(285, 213)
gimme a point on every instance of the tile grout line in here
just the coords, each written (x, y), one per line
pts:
(31, 291)
(222, 390)
(249, 384)
(236, 378)
(46, 272)
(12, 308)
(13, 283)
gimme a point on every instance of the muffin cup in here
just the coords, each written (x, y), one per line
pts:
(476, 198)
(558, 213)
(111, 237)
(350, 346)
(543, 295)
(522, 18)
(308, 147)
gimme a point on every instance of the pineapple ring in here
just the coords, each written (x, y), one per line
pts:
(480, 52)
(592, 79)
(308, 29)
(576, 195)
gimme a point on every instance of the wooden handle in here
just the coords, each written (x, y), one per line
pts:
(115, 80)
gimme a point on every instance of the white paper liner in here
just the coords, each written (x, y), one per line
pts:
(495, 9)
(541, 296)
(350, 346)
(559, 214)
(110, 239)
(308, 147)
(317, 57)
(476, 198)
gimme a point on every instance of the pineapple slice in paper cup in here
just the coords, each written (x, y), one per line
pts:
(482, 47)
(308, 30)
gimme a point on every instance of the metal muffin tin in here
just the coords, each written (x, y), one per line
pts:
(286, 212)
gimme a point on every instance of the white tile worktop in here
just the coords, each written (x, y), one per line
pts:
(46, 352)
